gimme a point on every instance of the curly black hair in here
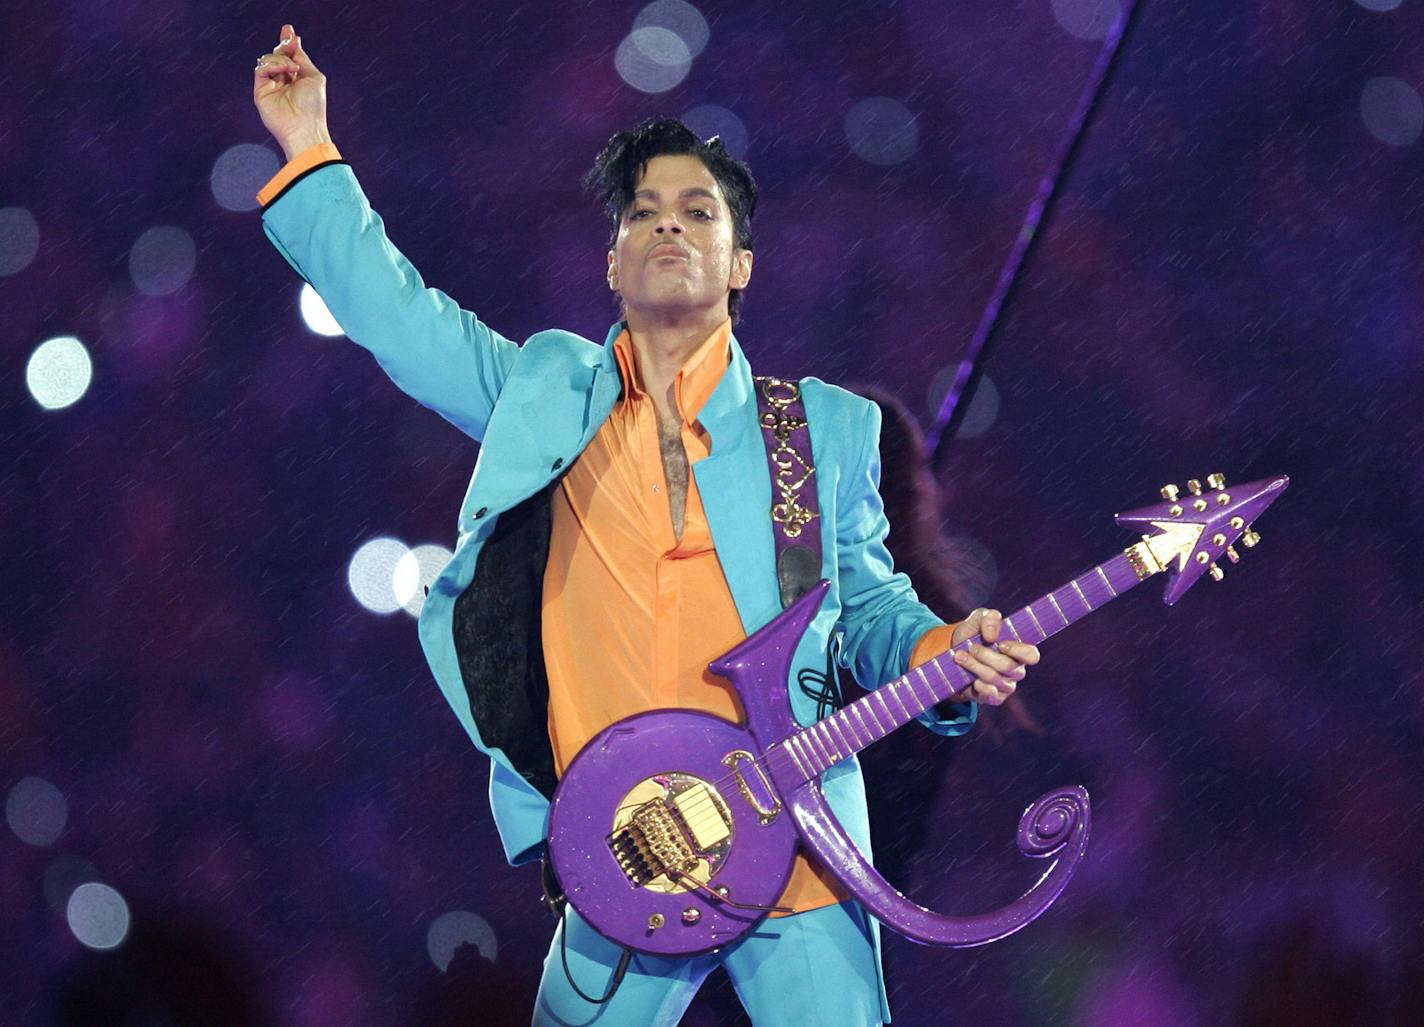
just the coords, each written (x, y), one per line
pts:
(615, 172)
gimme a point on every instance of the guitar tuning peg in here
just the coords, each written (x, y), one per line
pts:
(1232, 554)
(1216, 481)
(1194, 487)
(1250, 539)
(1216, 573)
(1169, 493)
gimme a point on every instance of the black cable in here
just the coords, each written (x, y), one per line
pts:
(618, 971)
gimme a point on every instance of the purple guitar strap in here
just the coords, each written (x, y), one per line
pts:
(795, 507)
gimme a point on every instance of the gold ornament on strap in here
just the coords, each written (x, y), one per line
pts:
(791, 472)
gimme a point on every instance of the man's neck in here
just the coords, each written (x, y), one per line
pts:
(664, 342)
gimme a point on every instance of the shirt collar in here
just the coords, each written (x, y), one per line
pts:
(697, 379)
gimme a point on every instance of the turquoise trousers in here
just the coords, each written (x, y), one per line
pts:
(810, 968)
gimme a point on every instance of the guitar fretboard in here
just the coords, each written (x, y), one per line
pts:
(870, 718)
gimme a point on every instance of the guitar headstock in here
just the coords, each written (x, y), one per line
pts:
(1188, 532)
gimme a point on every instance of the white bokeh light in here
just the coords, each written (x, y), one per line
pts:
(316, 315)
(162, 260)
(98, 915)
(652, 59)
(1393, 110)
(19, 240)
(980, 569)
(59, 372)
(983, 405)
(417, 571)
(455, 928)
(679, 18)
(1087, 19)
(239, 172)
(882, 131)
(710, 120)
(36, 811)
(372, 574)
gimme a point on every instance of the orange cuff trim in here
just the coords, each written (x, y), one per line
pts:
(932, 643)
(309, 159)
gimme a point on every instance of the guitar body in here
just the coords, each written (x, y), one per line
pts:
(657, 783)
(674, 832)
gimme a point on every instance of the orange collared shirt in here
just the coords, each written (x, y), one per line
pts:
(633, 614)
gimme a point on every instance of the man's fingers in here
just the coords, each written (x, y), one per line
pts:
(274, 67)
(300, 56)
(982, 670)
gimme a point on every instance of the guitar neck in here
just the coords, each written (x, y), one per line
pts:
(892, 705)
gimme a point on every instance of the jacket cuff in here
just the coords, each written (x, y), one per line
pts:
(309, 159)
(932, 643)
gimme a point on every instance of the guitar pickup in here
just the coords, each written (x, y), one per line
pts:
(702, 816)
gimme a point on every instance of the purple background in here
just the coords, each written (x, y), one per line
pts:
(267, 772)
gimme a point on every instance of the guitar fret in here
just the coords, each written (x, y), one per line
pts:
(855, 708)
(943, 676)
(1036, 624)
(921, 672)
(820, 748)
(1077, 588)
(899, 699)
(796, 758)
(835, 722)
(1106, 582)
(875, 720)
(831, 742)
(1009, 623)
(1052, 599)
(807, 754)
(885, 707)
(843, 719)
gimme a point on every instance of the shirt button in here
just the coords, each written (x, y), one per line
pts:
(558, 463)
(481, 512)
(656, 489)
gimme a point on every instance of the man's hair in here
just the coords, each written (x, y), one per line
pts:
(615, 172)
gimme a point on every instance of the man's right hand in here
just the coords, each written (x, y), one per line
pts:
(290, 94)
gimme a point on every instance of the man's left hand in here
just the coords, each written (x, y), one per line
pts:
(997, 666)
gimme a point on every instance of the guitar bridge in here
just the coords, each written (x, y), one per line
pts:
(671, 833)
(652, 844)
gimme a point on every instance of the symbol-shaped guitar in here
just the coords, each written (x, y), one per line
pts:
(674, 832)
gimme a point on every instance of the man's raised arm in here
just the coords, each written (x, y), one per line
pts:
(316, 215)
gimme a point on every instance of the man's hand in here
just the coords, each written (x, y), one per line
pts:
(997, 668)
(290, 94)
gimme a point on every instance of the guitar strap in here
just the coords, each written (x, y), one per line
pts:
(795, 507)
(795, 516)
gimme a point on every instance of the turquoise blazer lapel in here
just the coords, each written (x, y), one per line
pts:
(736, 493)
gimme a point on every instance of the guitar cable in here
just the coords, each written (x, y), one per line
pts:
(557, 902)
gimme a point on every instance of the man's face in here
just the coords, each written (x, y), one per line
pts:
(674, 249)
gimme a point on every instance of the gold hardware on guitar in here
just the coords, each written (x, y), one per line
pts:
(671, 829)
(734, 760)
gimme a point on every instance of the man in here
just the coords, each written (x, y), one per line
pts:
(619, 517)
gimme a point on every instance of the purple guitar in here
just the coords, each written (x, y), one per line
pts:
(673, 832)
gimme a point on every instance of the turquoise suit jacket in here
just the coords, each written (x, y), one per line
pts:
(534, 407)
